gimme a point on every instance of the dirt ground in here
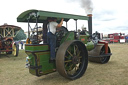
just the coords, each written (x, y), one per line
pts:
(115, 72)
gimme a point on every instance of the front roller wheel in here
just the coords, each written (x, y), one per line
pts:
(15, 50)
(72, 59)
(102, 59)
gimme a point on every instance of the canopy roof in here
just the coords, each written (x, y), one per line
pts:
(9, 26)
(43, 15)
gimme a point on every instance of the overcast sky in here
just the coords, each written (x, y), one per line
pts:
(109, 16)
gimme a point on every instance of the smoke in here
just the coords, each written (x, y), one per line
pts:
(87, 5)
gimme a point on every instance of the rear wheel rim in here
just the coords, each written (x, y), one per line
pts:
(14, 50)
(74, 60)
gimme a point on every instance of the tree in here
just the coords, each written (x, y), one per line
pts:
(20, 35)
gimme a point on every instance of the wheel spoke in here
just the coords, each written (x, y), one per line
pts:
(79, 57)
(68, 61)
(75, 49)
(66, 65)
(79, 53)
(69, 53)
(66, 56)
(70, 67)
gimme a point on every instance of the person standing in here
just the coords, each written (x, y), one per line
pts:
(51, 37)
(17, 44)
(22, 43)
(126, 38)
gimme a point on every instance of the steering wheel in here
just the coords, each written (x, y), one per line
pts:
(61, 32)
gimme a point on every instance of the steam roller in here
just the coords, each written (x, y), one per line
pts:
(101, 53)
(73, 48)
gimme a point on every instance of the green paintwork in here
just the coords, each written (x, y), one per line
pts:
(44, 62)
(39, 47)
(31, 62)
(83, 38)
(43, 54)
(90, 46)
(42, 16)
(67, 37)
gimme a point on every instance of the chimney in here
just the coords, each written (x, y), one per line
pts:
(90, 24)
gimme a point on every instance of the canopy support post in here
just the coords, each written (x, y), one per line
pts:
(37, 27)
(28, 29)
(66, 24)
(76, 24)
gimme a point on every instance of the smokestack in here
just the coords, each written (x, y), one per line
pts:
(88, 6)
(90, 24)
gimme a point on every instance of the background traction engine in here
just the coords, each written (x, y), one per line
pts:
(7, 45)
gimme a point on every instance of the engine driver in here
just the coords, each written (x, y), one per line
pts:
(51, 37)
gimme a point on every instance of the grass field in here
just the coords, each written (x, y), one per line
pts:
(115, 72)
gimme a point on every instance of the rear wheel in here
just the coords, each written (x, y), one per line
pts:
(72, 59)
(15, 50)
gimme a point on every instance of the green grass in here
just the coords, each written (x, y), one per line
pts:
(115, 72)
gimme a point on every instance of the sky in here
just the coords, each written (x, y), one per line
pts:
(109, 16)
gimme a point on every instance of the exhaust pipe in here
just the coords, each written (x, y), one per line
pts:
(90, 24)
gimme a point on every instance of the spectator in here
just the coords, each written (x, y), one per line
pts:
(22, 43)
(17, 44)
(126, 39)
